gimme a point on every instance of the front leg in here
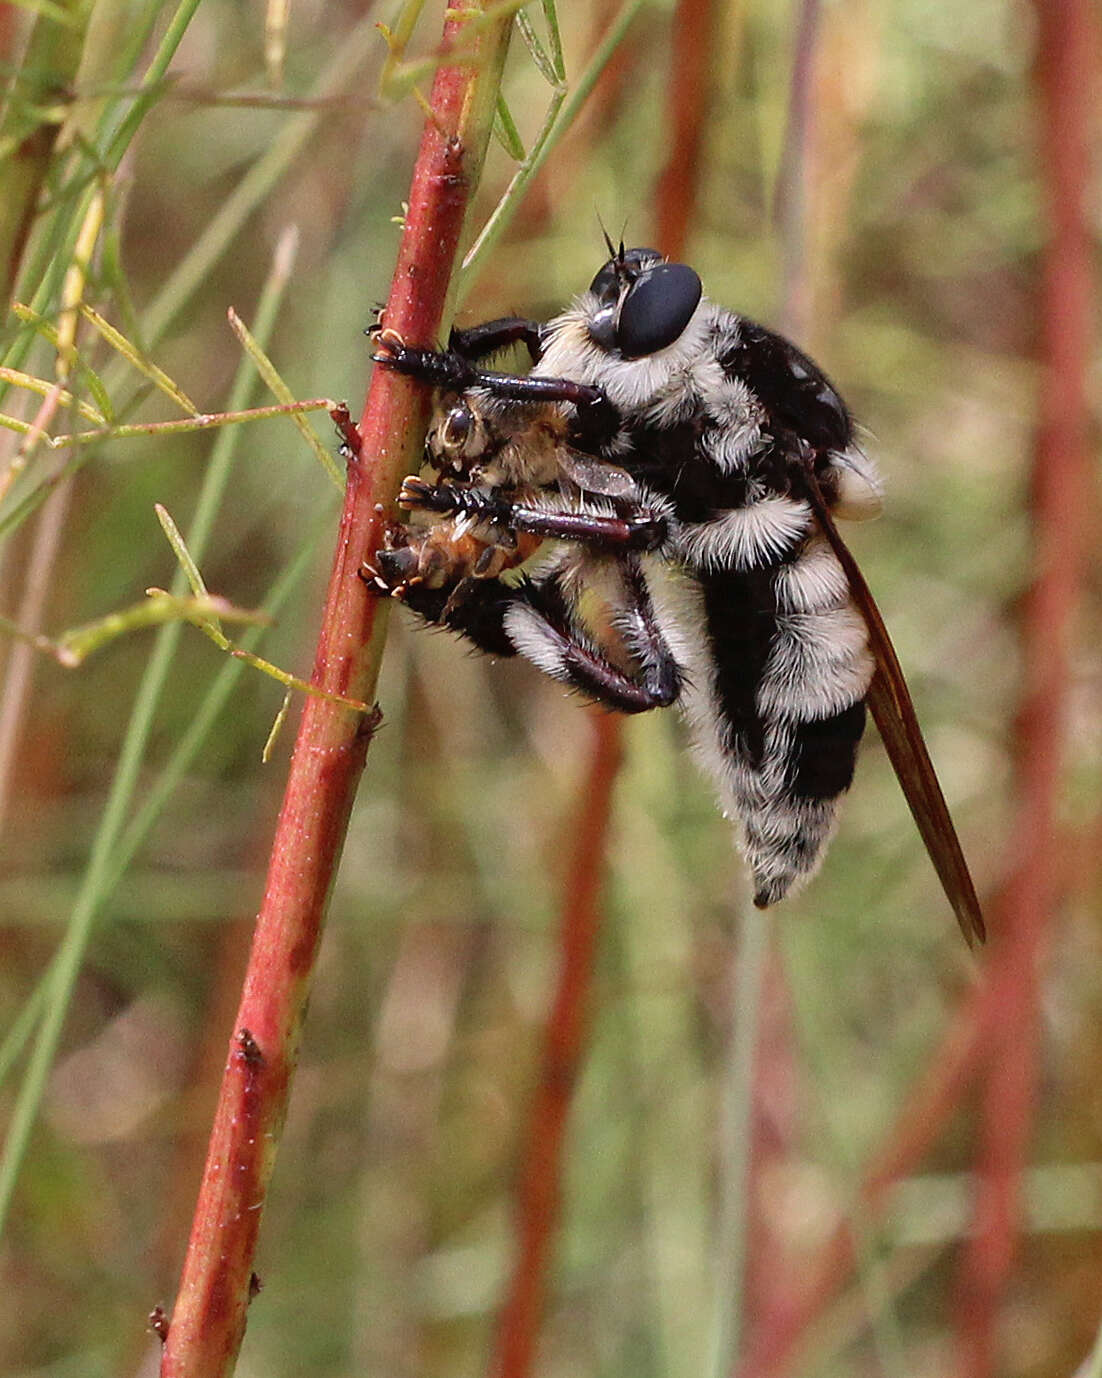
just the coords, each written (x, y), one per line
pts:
(597, 418)
(478, 341)
(639, 528)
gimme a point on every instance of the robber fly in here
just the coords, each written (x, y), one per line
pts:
(728, 588)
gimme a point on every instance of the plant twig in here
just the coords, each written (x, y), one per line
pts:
(209, 1318)
(204, 421)
(1066, 80)
(540, 1190)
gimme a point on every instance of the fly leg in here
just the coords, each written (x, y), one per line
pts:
(479, 341)
(539, 620)
(545, 628)
(638, 528)
(597, 419)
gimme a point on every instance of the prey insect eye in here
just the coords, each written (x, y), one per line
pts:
(458, 437)
(457, 428)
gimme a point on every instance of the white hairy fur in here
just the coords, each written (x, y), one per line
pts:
(819, 664)
(534, 639)
(816, 582)
(746, 537)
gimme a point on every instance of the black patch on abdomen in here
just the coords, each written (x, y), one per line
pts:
(740, 612)
(824, 753)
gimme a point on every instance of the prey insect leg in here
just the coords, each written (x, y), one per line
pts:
(538, 620)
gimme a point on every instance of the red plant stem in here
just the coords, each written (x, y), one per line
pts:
(539, 1197)
(924, 1113)
(209, 1319)
(1065, 74)
(686, 119)
(789, 203)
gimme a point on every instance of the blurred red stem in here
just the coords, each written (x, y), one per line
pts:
(538, 1205)
(1065, 76)
(789, 202)
(686, 120)
(925, 1112)
(209, 1318)
(539, 1196)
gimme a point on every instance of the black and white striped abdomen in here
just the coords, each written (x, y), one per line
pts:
(777, 695)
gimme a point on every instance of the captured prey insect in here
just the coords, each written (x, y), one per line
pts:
(523, 452)
(725, 585)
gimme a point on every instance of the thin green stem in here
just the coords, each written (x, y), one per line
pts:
(103, 869)
(736, 1138)
(28, 134)
(152, 84)
(53, 249)
(561, 114)
(820, 1040)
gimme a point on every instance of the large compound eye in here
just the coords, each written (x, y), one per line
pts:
(457, 438)
(605, 283)
(657, 308)
(456, 429)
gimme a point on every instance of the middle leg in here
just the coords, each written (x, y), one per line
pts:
(639, 528)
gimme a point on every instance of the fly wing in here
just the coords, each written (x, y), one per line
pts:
(892, 707)
(593, 475)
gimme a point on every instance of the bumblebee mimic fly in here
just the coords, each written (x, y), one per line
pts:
(684, 467)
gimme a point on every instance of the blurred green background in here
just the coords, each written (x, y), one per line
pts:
(386, 1242)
